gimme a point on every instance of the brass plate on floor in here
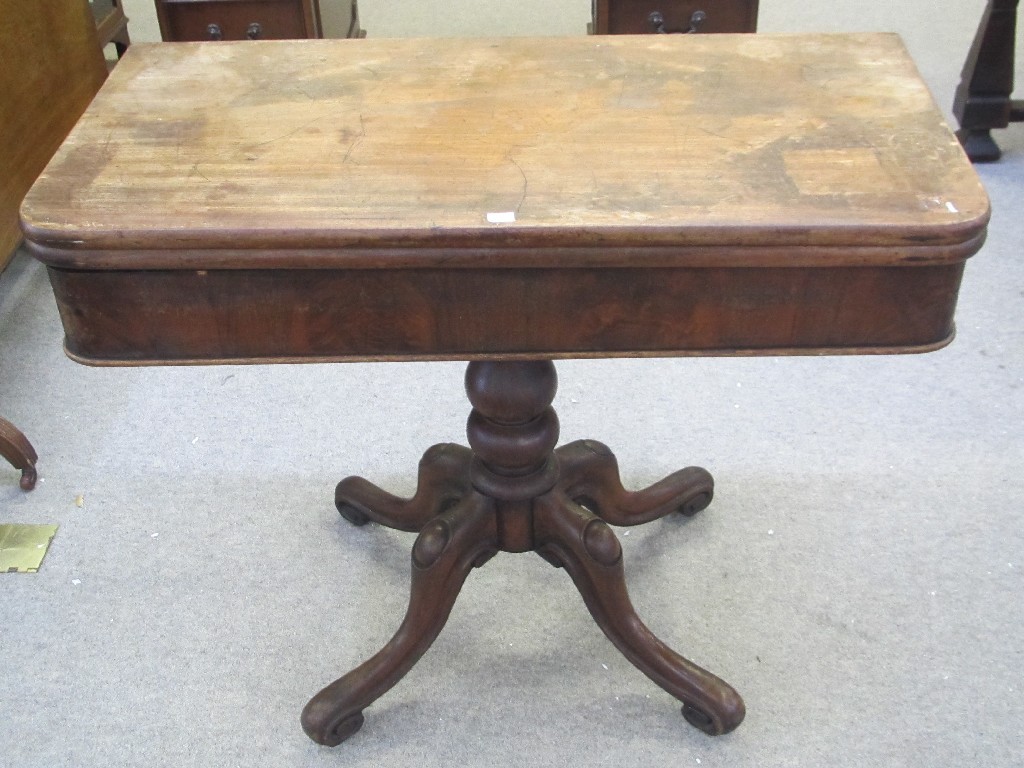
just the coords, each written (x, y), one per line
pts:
(23, 547)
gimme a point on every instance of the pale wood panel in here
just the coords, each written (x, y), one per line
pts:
(50, 66)
(651, 141)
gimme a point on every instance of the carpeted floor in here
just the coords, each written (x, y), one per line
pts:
(859, 576)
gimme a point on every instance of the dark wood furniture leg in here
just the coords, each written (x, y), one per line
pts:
(982, 100)
(513, 492)
(16, 448)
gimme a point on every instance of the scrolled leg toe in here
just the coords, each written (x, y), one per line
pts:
(696, 490)
(324, 725)
(28, 478)
(721, 713)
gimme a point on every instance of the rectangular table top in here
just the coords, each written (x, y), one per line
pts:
(592, 196)
(624, 151)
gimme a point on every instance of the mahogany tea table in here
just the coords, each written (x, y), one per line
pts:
(509, 202)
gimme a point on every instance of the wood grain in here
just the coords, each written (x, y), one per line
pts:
(51, 66)
(597, 142)
(184, 316)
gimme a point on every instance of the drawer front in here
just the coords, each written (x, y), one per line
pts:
(255, 19)
(637, 17)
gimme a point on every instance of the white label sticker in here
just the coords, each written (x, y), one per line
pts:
(502, 217)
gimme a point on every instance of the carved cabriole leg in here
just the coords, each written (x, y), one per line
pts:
(445, 552)
(514, 492)
(513, 431)
(590, 476)
(586, 547)
(16, 448)
(443, 480)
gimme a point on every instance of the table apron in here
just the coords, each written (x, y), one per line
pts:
(265, 315)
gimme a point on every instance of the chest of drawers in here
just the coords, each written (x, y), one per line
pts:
(194, 20)
(637, 17)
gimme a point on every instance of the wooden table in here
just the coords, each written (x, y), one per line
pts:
(509, 202)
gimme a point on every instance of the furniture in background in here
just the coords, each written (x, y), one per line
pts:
(636, 17)
(510, 202)
(195, 20)
(192, 20)
(983, 99)
(111, 25)
(16, 448)
(52, 67)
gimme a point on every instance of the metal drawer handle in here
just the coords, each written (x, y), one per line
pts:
(254, 30)
(657, 20)
(214, 31)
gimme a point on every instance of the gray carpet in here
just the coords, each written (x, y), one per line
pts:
(858, 577)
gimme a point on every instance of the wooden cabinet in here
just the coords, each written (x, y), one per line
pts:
(191, 20)
(52, 67)
(637, 17)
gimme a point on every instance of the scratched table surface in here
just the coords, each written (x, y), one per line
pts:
(344, 145)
